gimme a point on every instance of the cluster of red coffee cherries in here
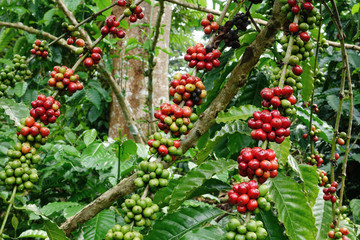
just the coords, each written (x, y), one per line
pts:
(94, 58)
(202, 58)
(40, 49)
(65, 78)
(249, 196)
(329, 192)
(322, 177)
(34, 130)
(208, 24)
(112, 27)
(339, 234)
(176, 119)
(277, 97)
(187, 88)
(258, 162)
(47, 109)
(269, 125)
(314, 134)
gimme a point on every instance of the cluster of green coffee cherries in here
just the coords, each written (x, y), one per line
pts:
(20, 170)
(118, 232)
(13, 74)
(140, 211)
(251, 230)
(152, 173)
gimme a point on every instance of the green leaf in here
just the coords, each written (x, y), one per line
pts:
(326, 130)
(282, 150)
(271, 223)
(355, 207)
(15, 111)
(322, 211)
(49, 15)
(5, 37)
(205, 233)
(229, 128)
(236, 113)
(97, 227)
(307, 80)
(163, 195)
(97, 156)
(89, 136)
(175, 225)
(334, 101)
(127, 149)
(101, 4)
(53, 231)
(310, 177)
(196, 177)
(20, 46)
(54, 207)
(20, 88)
(94, 97)
(251, 91)
(33, 234)
(14, 222)
(355, 8)
(72, 4)
(70, 150)
(94, 114)
(293, 211)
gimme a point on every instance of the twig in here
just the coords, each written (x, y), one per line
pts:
(287, 55)
(251, 18)
(11, 203)
(150, 102)
(32, 30)
(146, 191)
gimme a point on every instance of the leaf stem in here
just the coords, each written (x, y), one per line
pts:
(11, 203)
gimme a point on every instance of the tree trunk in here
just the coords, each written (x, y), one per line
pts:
(132, 79)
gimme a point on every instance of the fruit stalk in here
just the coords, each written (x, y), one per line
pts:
(345, 60)
(287, 55)
(345, 74)
(313, 92)
(11, 203)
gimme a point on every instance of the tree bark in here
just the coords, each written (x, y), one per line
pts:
(135, 87)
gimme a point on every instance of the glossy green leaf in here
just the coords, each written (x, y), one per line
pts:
(307, 80)
(322, 211)
(54, 207)
(326, 130)
(205, 233)
(5, 37)
(236, 113)
(175, 225)
(196, 177)
(101, 4)
(97, 156)
(272, 225)
(97, 227)
(20, 88)
(282, 150)
(14, 222)
(310, 177)
(293, 211)
(163, 195)
(94, 97)
(72, 4)
(229, 128)
(15, 111)
(334, 101)
(33, 234)
(89, 136)
(53, 231)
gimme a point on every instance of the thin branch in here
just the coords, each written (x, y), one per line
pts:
(151, 62)
(237, 80)
(62, 42)
(251, 18)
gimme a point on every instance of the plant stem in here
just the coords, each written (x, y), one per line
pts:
(151, 65)
(251, 18)
(287, 55)
(248, 216)
(145, 193)
(11, 203)
(313, 92)
(345, 72)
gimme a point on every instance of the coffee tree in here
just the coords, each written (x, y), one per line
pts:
(258, 140)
